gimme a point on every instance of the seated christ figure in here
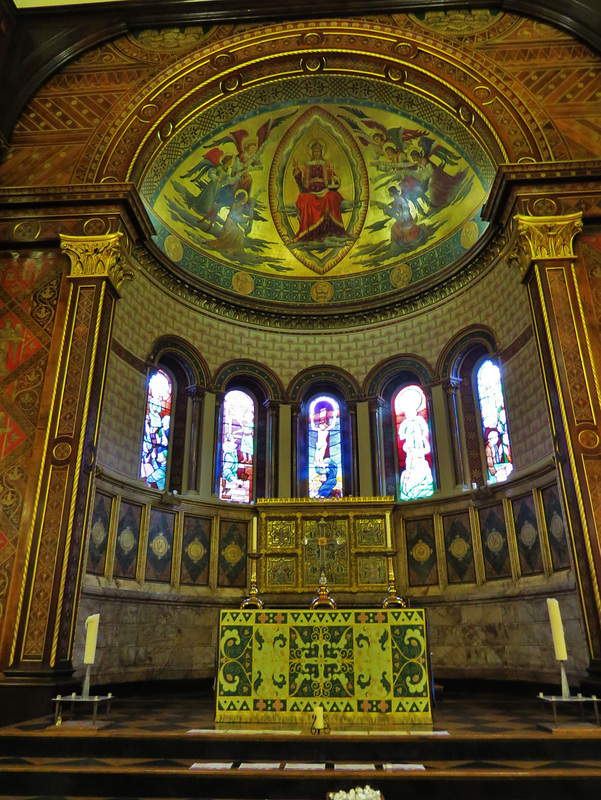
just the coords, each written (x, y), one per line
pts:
(319, 200)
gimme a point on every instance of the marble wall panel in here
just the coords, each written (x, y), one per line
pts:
(505, 638)
(459, 548)
(527, 535)
(557, 533)
(159, 554)
(196, 551)
(232, 553)
(495, 547)
(421, 552)
(168, 641)
(99, 534)
(128, 540)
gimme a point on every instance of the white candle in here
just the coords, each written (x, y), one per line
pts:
(254, 536)
(559, 642)
(318, 710)
(388, 532)
(92, 623)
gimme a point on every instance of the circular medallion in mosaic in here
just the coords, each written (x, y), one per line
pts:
(556, 527)
(98, 534)
(195, 550)
(127, 540)
(232, 553)
(495, 541)
(421, 551)
(459, 548)
(160, 545)
(528, 534)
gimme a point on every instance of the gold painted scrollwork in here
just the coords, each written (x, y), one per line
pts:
(100, 256)
(549, 237)
(519, 256)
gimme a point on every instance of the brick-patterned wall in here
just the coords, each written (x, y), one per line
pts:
(529, 426)
(145, 312)
(120, 439)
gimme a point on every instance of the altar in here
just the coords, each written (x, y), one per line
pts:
(363, 666)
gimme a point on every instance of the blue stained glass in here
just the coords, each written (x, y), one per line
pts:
(324, 448)
(155, 446)
(497, 447)
(414, 448)
(237, 447)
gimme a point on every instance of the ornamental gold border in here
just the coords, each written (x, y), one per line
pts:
(42, 483)
(451, 54)
(572, 461)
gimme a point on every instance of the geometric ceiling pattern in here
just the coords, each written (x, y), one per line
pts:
(324, 164)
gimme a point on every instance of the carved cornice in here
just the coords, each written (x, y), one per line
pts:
(375, 403)
(196, 392)
(97, 256)
(38, 215)
(549, 237)
(492, 246)
(531, 188)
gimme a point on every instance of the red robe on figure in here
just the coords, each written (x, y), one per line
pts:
(318, 202)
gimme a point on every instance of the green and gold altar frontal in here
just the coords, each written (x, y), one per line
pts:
(363, 666)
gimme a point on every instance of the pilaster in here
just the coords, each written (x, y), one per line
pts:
(46, 592)
(569, 340)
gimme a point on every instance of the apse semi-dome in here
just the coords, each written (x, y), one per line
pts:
(325, 189)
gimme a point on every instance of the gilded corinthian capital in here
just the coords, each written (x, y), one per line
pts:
(549, 237)
(98, 256)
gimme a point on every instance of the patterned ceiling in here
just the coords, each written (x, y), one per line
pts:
(315, 165)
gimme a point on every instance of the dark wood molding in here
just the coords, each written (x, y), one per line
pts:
(30, 216)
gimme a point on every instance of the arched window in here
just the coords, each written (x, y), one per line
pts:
(413, 443)
(324, 447)
(157, 424)
(237, 447)
(497, 447)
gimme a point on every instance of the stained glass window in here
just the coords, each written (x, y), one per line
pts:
(414, 447)
(325, 448)
(494, 423)
(237, 447)
(155, 446)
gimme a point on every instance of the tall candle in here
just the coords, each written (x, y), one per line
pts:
(92, 623)
(318, 711)
(559, 642)
(254, 538)
(388, 531)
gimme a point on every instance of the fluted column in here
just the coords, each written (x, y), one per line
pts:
(451, 390)
(271, 447)
(352, 410)
(364, 454)
(43, 598)
(196, 394)
(216, 437)
(569, 338)
(207, 463)
(446, 472)
(295, 422)
(375, 405)
(284, 486)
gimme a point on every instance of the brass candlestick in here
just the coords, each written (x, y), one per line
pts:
(253, 600)
(392, 599)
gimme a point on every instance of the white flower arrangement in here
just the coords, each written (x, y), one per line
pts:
(360, 793)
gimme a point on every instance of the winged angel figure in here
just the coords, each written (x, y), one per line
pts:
(223, 205)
